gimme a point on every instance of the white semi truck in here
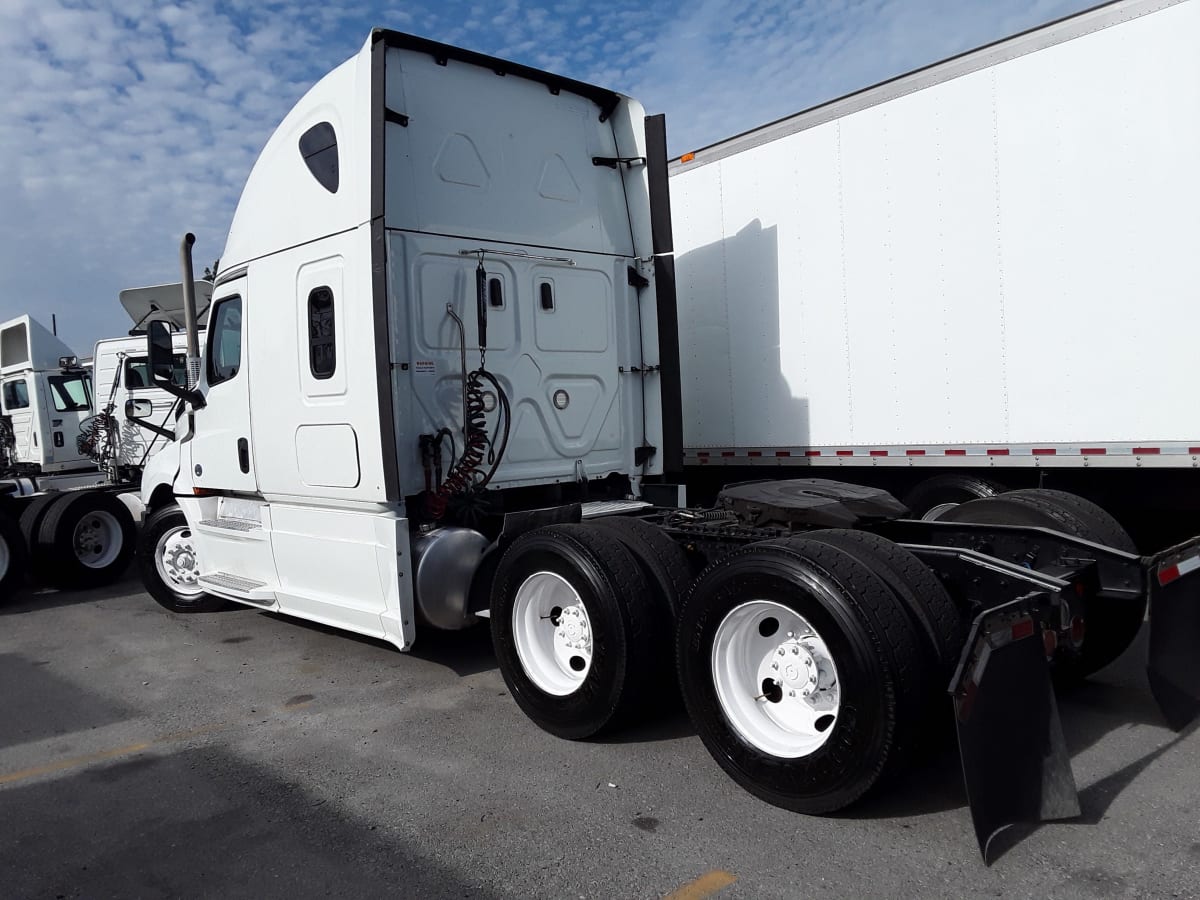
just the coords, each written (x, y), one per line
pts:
(441, 384)
(977, 275)
(70, 430)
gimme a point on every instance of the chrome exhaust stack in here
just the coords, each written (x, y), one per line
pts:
(189, 311)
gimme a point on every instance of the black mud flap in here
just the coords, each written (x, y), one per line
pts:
(1174, 665)
(1014, 758)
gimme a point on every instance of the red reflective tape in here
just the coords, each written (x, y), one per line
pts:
(1022, 629)
(914, 452)
(1167, 574)
(1093, 451)
(956, 452)
(702, 453)
(1193, 449)
(755, 453)
(845, 453)
(812, 452)
(999, 451)
(1145, 451)
(879, 453)
(783, 452)
(728, 453)
(1044, 451)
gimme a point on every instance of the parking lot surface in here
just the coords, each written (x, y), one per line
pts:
(240, 753)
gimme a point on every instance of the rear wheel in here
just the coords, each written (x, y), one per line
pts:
(573, 630)
(170, 565)
(87, 538)
(934, 497)
(12, 556)
(802, 672)
(1109, 625)
(31, 525)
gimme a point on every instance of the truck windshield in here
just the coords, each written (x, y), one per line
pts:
(71, 393)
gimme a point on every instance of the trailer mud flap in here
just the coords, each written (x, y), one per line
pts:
(1174, 665)
(1015, 761)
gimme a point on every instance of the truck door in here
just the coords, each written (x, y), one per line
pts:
(15, 401)
(222, 458)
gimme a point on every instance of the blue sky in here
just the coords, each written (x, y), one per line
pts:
(124, 123)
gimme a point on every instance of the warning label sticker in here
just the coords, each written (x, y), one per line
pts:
(424, 367)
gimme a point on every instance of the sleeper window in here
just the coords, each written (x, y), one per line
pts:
(318, 147)
(322, 346)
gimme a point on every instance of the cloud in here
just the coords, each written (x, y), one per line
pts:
(124, 124)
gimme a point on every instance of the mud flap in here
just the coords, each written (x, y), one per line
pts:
(1174, 666)
(1014, 759)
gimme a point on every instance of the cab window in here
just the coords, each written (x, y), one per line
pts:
(137, 372)
(225, 340)
(16, 395)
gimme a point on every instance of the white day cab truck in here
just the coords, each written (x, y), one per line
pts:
(974, 277)
(74, 440)
(441, 384)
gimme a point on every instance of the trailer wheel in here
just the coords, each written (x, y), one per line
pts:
(31, 525)
(801, 672)
(87, 539)
(573, 630)
(935, 615)
(13, 557)
(170, 566)
(935, 496)
(1110, 625)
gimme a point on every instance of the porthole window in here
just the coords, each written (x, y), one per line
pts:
(322, 349)
(318, 147)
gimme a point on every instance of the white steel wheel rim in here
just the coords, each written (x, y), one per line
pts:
(176, 560)
(775, 679)
(97, 539)
(552, 633)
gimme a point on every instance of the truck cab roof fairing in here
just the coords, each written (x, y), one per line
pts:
(283, 204)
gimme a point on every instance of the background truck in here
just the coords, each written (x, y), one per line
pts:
(83, 437)
(976, 275)
(440, 385)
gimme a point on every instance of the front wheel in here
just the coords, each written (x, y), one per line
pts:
(170, 565)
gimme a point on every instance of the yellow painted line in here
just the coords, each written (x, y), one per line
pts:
(704, 886)
(102, 755)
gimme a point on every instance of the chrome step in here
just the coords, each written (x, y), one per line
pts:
(232, 524)
(247, 589)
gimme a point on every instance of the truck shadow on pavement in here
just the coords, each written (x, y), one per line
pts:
(202, 822)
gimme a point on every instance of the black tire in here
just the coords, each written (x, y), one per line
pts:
(159, 527)
(68, 564)
(664, 563)
(31, 525)
(614, 593)
(941, 490)
(1110, 625)
(13, 557)
(943, 625)
(881, 668)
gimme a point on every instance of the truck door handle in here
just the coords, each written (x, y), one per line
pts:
(244, 454)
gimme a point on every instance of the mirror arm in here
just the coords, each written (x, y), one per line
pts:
(195, 398)
(155, 429)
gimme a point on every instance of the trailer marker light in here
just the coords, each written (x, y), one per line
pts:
(914, 452)
(783, 452)
(754, 453)
(687, 157)
(812, 452)
(1093, 451)
(956, 452)
(845, 453)
(726, 454)
(1170, 573)
(1145, 451)
(1001, 451)
(1044, 451)
(879, 453)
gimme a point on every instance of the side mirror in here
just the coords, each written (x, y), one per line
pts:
(160, 352)
(138, 409)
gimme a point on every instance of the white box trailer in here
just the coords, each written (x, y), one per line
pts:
(435, 390)
(987, 264)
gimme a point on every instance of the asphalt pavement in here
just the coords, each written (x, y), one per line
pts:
(239, 753)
